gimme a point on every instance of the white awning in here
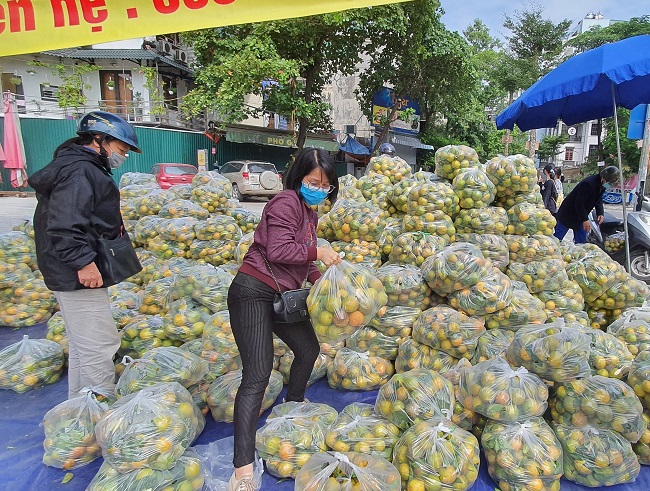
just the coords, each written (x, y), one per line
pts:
(409, 141)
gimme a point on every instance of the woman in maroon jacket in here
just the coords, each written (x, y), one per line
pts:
(286, 237)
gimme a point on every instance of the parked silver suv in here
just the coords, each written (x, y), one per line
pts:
(252, 178)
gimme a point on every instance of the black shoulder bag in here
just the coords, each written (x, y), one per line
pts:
(116, 259)
(290, 306)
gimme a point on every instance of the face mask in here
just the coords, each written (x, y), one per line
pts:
(116, 160)
(312, 197)
(607, 186)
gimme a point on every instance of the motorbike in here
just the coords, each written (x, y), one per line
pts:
(638, 226)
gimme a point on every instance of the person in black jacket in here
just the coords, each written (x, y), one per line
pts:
(548, 189)
(574, 210)
(78, 202)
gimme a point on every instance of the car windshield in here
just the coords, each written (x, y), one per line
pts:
(179, 170)
(259, 168)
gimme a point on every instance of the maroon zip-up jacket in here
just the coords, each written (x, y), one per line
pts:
(286, 235)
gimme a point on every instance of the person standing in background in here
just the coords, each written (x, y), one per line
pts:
(559, 186)
(548, 189)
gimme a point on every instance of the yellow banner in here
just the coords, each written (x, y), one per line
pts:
(30, 26)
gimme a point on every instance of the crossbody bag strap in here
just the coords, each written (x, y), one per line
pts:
(271, 271)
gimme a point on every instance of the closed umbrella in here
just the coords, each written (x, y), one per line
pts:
(14, 147)
(587, 86)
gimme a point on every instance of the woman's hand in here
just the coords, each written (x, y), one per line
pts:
(328, 255)
(90, 277)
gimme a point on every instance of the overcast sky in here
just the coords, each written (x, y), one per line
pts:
(460, 13)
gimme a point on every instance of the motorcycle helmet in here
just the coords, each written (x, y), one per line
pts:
(610, 174)
(105, 123)
(387, 149)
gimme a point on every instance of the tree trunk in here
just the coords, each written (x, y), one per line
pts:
(384, 132)
(507, 144)
(601, 150)
(532, 140)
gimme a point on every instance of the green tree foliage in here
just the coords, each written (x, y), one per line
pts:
(597, 36)
(549, 147)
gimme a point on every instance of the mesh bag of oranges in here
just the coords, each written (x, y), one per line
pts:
(552, 351)
(359, 252)
(217, 227)
(292, 434)
(30, 364)
(155, 296)
(137, 190)
(399, 194)
(26, 227)
(435, 222)
(388, 235)
(566, 299)
(411, 355)
(16, 248)
(247, 220)
(596, 274)
(473, 188)
(525, 249)
(13, 275)
(608, 355)
(178, 229)
(181, 191)
(349, 470)
(330, 349)
(596, 457)
(642, 447)
(488, 220)
(491, 293)
(374, 185)
(26, 304)
(463, 417)
(151, 428)
(415, 247)
(539, 275)
(628, 293)
(344, 299)
(530, 219)
(491, 344)
(345, 192)
(494, 247)
(182, 208)
(143, 333)
(211, 192)
(218, 345)
(448, 330)
(215, 252)
(512, 175)
(404, 285)
(523, 456)
(523, 309)
(395, 168)
(615, 242)
(431, 196)
(222, 393)
(458, 266)
(360, 429)
(601, 402)
(639, 377)
(318, 372)
(533, 197)
(354, 370)
(152, 202)
(437, 454)
(414, 396)
(161, 365)
(70, 429)
(205, 284)
(633, 328)
(374, 342)
(496, 390)
(243, 245)
(185, 475)
(129, 178)
(601, 318)
(395, 322)
(123, 299)
(167, 249)
(56, 332)
(185, 320)
(353, 220)
(451, 159)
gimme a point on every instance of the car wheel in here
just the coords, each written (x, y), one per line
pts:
(236, 193)
(640, 264)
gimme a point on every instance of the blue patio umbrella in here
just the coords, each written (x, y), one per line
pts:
(587, 86)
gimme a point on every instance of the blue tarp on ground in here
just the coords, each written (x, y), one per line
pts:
(22, 436)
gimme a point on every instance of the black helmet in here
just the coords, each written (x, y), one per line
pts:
(387, 148)
(610, 174)
(104, 123)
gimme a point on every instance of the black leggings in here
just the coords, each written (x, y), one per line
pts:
(250, 302)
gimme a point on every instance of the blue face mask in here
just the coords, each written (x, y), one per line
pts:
(607, 186)
(312, 197)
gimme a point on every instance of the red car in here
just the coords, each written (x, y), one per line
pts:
(170, 174)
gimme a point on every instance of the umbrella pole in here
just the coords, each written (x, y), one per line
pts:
(622, 181)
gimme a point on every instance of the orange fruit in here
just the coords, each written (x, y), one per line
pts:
(356, 319)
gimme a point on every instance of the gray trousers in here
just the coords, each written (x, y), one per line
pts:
(93, 338)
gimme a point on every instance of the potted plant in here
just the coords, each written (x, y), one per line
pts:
(110, 84)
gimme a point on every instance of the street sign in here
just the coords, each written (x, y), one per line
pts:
(571, 131)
